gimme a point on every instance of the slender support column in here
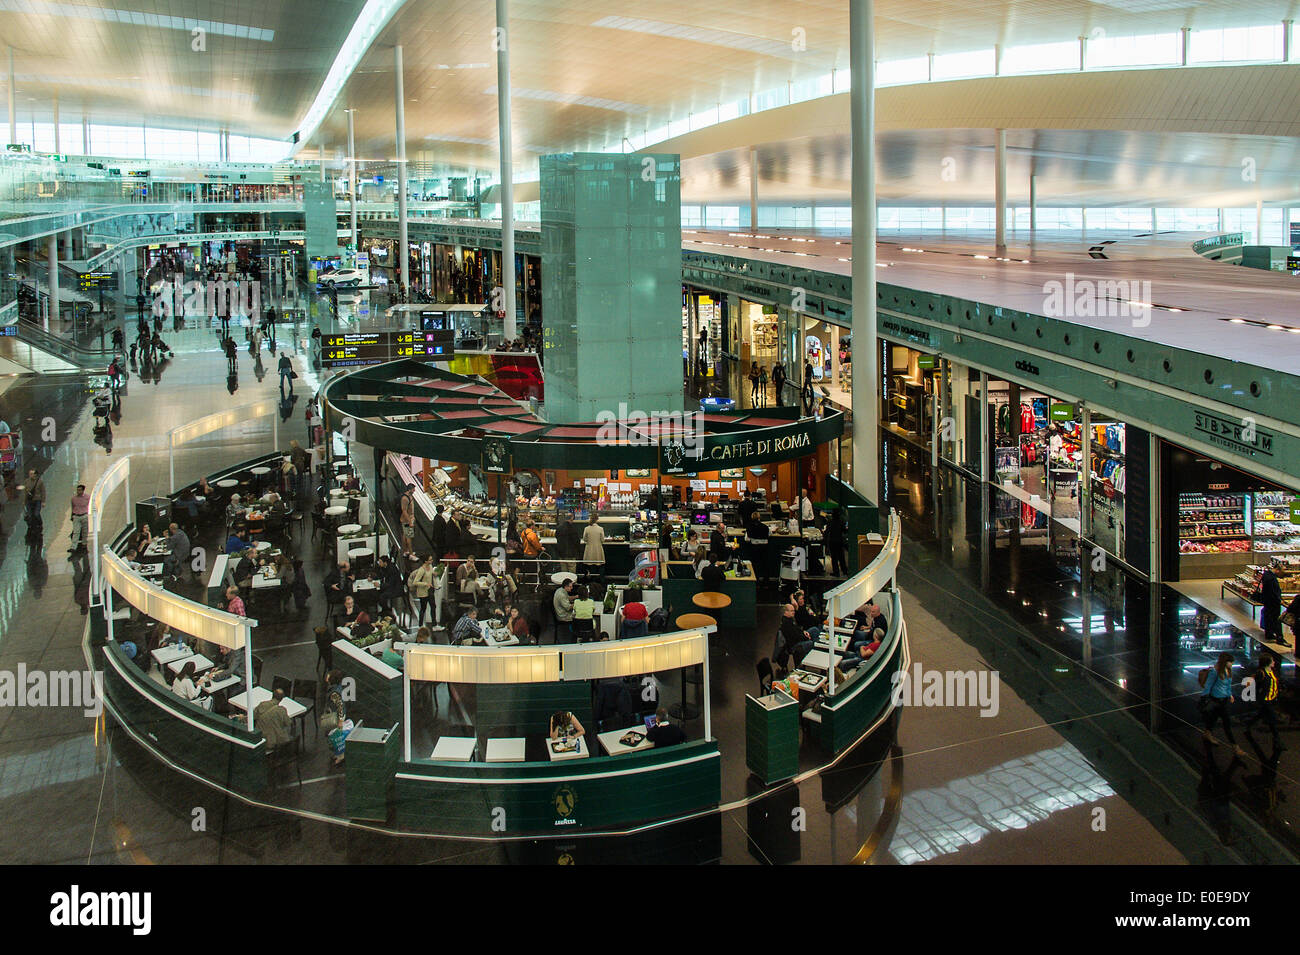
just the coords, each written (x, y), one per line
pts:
(1033, 208)
(985, 450)
(85, 136)
(507, 176)
(399, 90)
(1000, 193)
(352, 181)
(1286, 40)
(753, 188)
(53, 248)
(866, 373)
(1259, 221)
(13, 117)
(1187, 40)
(56, 124)
(1083, 52)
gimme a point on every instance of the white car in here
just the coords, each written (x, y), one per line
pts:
(338, 278)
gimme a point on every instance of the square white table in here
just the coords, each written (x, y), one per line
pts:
(201, 664)
(817, 660)
(222, 684)
(364, 585)
(157, 548)
(499, 637)
(263, 582)
(808, 682)
(458, 749)
(509, 750)
(610, 741)
(580, 753)
(165, 655)
(260, 695)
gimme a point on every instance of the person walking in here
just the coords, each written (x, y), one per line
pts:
(35, 496)
(1265, 690)
(753, 384)
(408, 519)
(762, 387)
(1216, 699)
(422, 588)
(834, 543)
(286, 372)
(231, 355)
(778, 384)
(80, 511)
(1270, 615)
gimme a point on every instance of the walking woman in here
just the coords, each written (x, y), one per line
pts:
(1216, 698)
(593, 542)
(753, 384)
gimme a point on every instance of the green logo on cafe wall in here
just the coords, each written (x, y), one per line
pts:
(565, 801)
(496, 456)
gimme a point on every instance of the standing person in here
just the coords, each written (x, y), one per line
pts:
(1270, 615)
(286, 371)
(408, 519)
(439, 533)
(225, 317)
(593, 542)
(255, 341)
(335, 718)
(1265, 690)
(702, 351)
(118, 339)
(179, 553)
(806, 515)
(421, 583)
(1216, 698)
(35, 499)
(753, 384)
(778, 384)
(531, 543)
(562, 603)
(80, 519)
(231, 355)
(834, 543)
(762, 387)
(270, 327)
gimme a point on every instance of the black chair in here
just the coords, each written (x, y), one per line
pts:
(282, 683)
(325, 647)
(280, 756)
(257, 670)
(765, 676)
(306, 692)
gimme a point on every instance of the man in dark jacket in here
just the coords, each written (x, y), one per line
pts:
(438, 533)
(391, 585)
(791, 640)
(1270, 616)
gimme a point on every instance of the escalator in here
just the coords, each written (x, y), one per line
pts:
(37, 351)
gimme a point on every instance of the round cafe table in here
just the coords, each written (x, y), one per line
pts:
(693, 621)
(349, 528)
(263, 545)
(711, 600)
(227, 483)
(259, 471)
(335, 510)
(559, 577)
(337, 492)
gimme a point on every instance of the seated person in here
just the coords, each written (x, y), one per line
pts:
(756, 530)
(791, 640)
(518, 625)
(361, 626)
(424, 635)
(234, 510)
(858, 653)
(238, 541)
(142, 539)
(584, 614)
(271, 719)
(712, 575)
(186, 502)
(636, 616)
(351, 483)
(467, 628)
(564, 724)
(664, 733)
(701, 558)
(230, 665)
(243, 569)
(803, 614)
(393, 658)
(338, 582)
(467, 578)
(871, 621)
(185, 685)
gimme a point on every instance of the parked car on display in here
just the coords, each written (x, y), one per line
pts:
(339, 278)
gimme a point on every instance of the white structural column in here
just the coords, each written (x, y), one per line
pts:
(507, 176)
(866, 393)
(1259, 221)
(399, 91)
(1000, 193)
(53, 248)
(1033, 207)
(352, 182)
(85, 136)
(56, 124)
(753, 188)
(13, 117)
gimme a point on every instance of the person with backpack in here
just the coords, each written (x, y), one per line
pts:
(778, 383)
(1265, 688)
(1216, 698)
(1270, 614)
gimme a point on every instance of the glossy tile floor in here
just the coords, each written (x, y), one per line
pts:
(1101, 722)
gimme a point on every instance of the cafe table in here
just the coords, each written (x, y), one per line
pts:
(817, 660)
(580, 751)
(165, 655)
(227, 483)
(201, 664)
(711, 600)
(222, 684)
(263, 582)
(559, 577)
(499, 637)
(609, 740)
(506, 750)
(458, 749)
(157, 548)
(335, 510)
(346, 529)
(260, 695)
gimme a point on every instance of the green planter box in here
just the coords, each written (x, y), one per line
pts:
(772, 737)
